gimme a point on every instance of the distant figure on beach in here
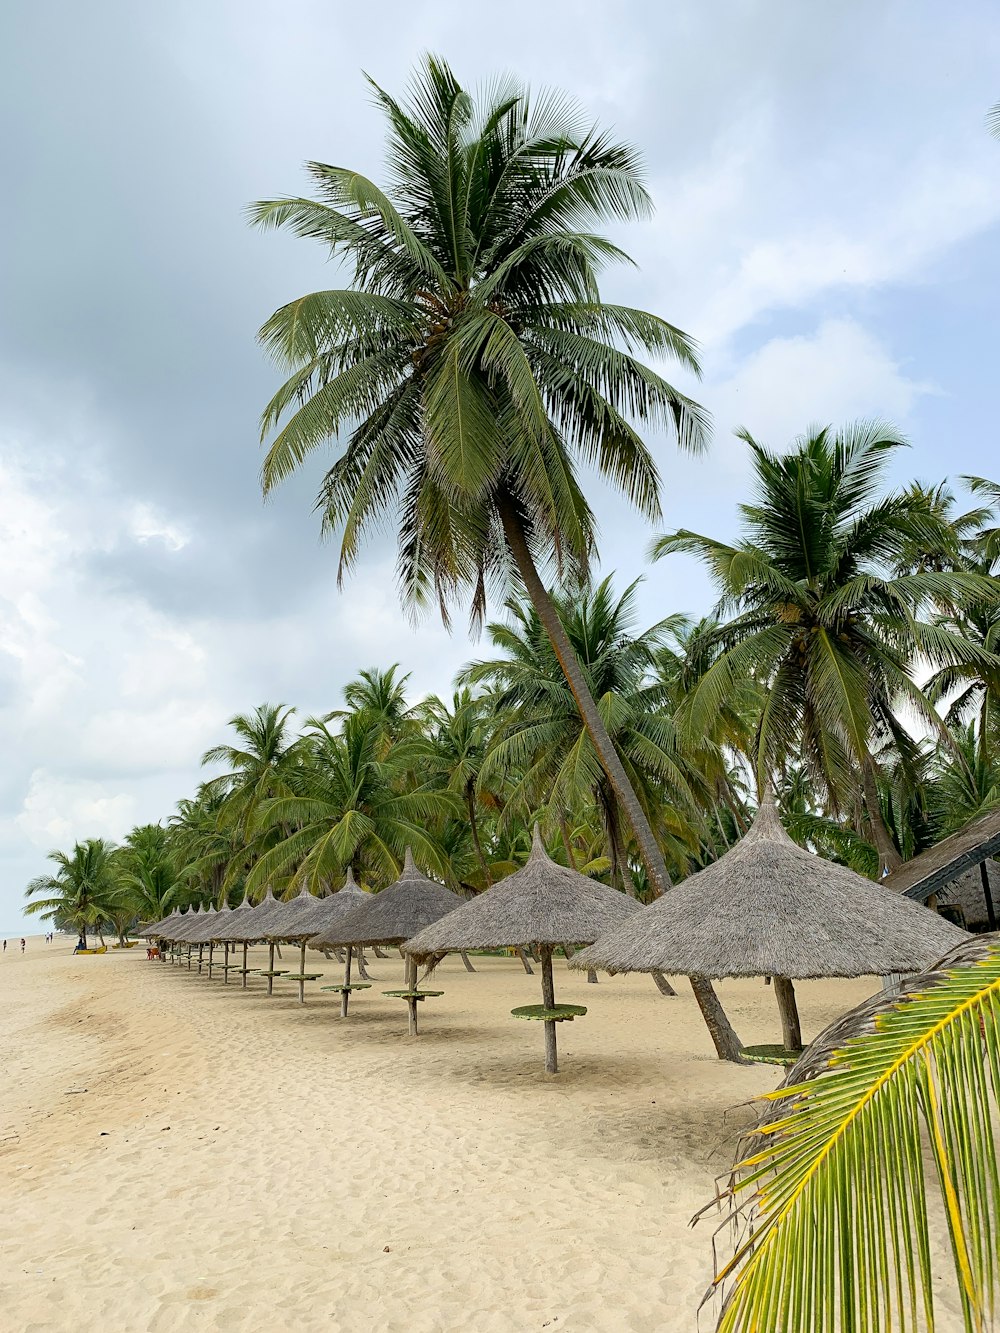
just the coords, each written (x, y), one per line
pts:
(5, 946)
(22, 946)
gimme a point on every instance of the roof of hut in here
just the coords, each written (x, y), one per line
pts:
(946, 860)
(190, 922)
(394, 914)
(157, 927)
(337, 906)
(297, 918)
(542, 903)
(770, 908)
(243, 927)
(966, 893)
(211, 923)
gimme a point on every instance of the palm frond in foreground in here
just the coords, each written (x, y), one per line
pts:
(889, 1117)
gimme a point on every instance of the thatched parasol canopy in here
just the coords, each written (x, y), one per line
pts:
(542, 904)
(244, 927)
(393, 915)
(390, 917)
(157, 929)
(186, 923)
(769, 908)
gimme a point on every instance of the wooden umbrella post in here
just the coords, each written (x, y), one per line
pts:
(244, 972)
(549, 1000)
(345, 994)
(784, 993)
(225, 968)
(211, 951)
(270, 968)
(411, 985)
(201, 950)
(302, 968)
(189, 958)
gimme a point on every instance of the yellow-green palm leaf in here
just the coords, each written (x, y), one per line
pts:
(883, 1134)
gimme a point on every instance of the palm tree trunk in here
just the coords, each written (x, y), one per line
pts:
(889, 857)
(727, 1043)
(470, 804)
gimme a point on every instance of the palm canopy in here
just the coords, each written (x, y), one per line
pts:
(84, 889)
(472, 363)
(350, 807)
(541, 738)
(819, 614)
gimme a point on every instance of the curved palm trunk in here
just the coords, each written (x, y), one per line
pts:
(889, 857)
(727, 1043)
(470, 805)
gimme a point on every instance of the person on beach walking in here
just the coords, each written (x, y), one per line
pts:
(22, 946)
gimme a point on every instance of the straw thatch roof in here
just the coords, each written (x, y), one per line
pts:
(770, 908)
(542, 903)
(211, 923)
(157, 928)
(966, 893)
(393, 915)
(296, 919)
(337, 907)
(946, 860)
(246, 927)
(190, 921)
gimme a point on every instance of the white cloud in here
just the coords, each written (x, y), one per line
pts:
(58, 811)
(838, 373)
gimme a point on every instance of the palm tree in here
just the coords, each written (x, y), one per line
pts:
(541, 737)
(460, 735)
(258, 766)
(891, 1105)
(147, 873)
(349, 808)
(83, 889)
(473, 364)
(822, 618)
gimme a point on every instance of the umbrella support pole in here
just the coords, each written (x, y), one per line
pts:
(791, 1032)
(411, 985)
(345, 994)
(244, 975)
(189, 958)
(200, 951)
(211, 951)
(225, 969)
(549, 1000)
(302, 968)
(270, 968)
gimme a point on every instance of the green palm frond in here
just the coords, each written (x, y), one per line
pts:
(874, 1174)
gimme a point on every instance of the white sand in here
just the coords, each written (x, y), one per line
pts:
(178, 1154)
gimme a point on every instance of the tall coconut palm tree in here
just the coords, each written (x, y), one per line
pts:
(540, 735)
(822, 619)
(349, 808)
(147, 873)
(472, 364)
(258, 764)
(460, 734)
(82, 891)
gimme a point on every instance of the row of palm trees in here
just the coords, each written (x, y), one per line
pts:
(851, 662)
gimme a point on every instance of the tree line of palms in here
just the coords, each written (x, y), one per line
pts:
(851, 663)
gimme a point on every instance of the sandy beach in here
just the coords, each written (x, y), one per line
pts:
(178, 1154)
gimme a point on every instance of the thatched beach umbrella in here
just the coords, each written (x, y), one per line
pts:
(770, 908)
(248, 927)
(294, 922)
(542, 904)
(334, 910)
(390, 917)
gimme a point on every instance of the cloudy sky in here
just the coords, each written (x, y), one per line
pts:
(827, 208)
